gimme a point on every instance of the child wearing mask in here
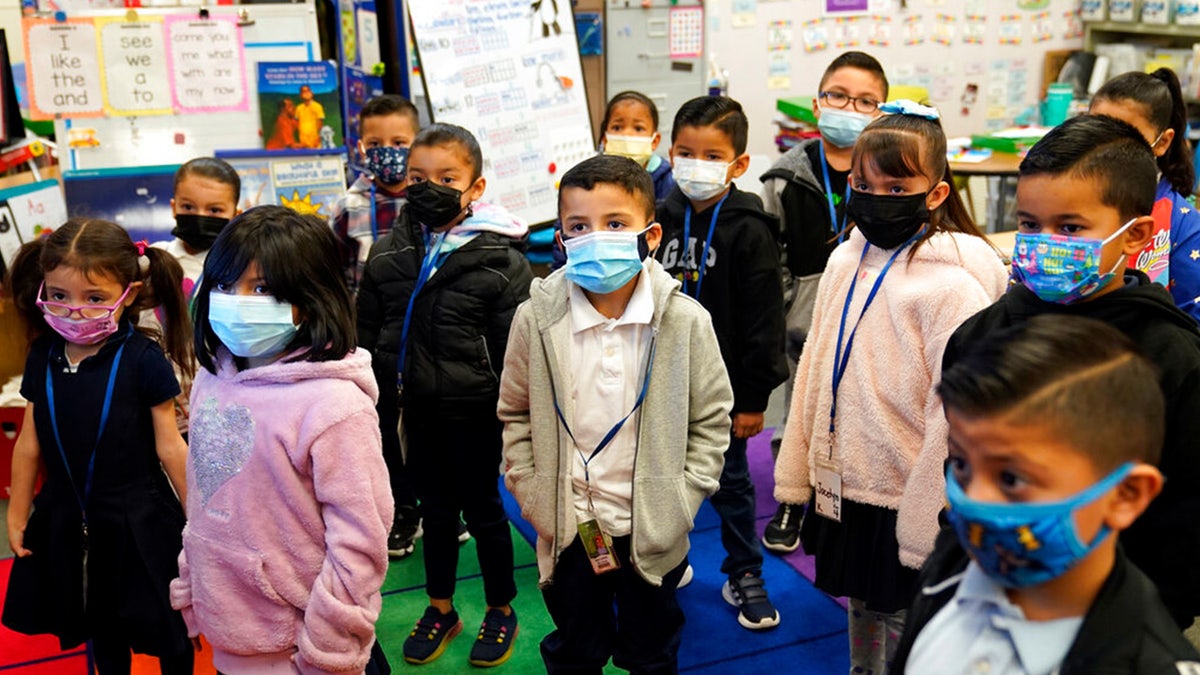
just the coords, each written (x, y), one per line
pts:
(1054, 429)
(615, 426)
(386, 125)
(807, 189)
(1084, 203)
(438, 295)
(720, 244)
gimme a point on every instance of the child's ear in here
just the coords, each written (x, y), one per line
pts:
(134, 289)
(173, 213)
(1138, 235)
(657, 139)
(476, 190)
(740, 165)
(937, 195)
(653, 236)
(362, 149)
(1132, 496)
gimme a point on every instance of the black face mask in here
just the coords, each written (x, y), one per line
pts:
(432, 205)
(197, 231)
(887, 221)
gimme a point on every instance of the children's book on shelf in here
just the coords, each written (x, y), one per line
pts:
(298, 105)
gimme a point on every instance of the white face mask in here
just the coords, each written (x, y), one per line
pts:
(637, 148)
(700, 179)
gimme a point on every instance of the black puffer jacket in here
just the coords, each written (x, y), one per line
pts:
(459, 327)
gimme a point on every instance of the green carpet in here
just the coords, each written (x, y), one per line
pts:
(404, 600)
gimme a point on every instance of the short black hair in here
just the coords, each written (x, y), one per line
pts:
(1108, 151)
(859, 60)
(635, 96)
(389, 104)
(611, 170)
(213, 169)
(721, 112)
(298, 257)
(449, 134)
(1079, 377)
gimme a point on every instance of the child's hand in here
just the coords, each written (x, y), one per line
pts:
(746, 425)
(16, 541)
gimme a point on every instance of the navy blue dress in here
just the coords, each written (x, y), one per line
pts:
(135, 523)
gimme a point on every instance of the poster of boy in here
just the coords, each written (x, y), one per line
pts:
(298, 105)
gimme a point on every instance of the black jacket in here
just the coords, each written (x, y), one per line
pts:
(1125, 631)
(807, 234)
(459, 327)
(741, 288)
(1165, 541)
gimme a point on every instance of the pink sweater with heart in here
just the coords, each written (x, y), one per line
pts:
(289, 507)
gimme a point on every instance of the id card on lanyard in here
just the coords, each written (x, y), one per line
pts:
(84, 498)
(597, 543)
(828, 470)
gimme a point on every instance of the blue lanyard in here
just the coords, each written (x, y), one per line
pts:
(374, 227)
(838, 227)
(612, 433)
(687, 232)
(841, 357)
(91, 466)
(427, 266)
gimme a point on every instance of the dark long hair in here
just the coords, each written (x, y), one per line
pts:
(99, 247)
(905, 146)
(1161, 100)
(298, 258)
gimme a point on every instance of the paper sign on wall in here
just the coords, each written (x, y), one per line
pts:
(134, 57)
(27, 212)
(207, 62)
(64, 68)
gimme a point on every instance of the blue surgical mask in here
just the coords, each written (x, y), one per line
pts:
(1062, 269)
(602, 262)
(841, 127)
(251, 326)
(387, 163)
(1022, 545)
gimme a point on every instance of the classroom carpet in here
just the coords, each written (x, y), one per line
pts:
(811, 637)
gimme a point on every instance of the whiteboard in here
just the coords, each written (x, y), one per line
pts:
(280, 32)
(509, 73)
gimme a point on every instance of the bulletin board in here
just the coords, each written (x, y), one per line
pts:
(509, 71)
(158, 85)
(980, 60)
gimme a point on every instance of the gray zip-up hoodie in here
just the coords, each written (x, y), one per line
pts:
(683, 430)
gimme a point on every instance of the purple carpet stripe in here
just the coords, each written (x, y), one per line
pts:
(762, 472)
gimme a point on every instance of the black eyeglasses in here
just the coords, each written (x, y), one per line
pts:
(836, 99)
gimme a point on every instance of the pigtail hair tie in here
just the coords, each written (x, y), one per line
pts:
(143, 259)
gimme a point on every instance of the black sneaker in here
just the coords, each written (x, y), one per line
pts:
(463, 535)
(748, 593)
(405, 529)
(431, 635)
(494, 644)
(783, 532)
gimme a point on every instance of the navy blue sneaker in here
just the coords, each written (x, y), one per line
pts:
(494, 644)
(431, 635)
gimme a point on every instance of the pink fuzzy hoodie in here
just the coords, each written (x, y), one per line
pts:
(289, 506)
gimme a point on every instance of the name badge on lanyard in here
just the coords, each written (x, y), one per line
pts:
(828, 470)
(597, 543)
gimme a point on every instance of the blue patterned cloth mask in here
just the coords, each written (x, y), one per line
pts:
(387, 163)
(250, 326)
(1022, 545)
(1062, 269)
(602, 262)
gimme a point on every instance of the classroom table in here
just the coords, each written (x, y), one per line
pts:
(1002, 165)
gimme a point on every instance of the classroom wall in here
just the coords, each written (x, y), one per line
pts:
(1008, 76)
